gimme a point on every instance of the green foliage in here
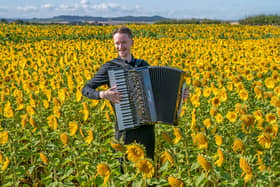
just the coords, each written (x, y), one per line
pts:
(261, 20)
(190, 21)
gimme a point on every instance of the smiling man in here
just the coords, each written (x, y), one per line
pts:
(123, 43)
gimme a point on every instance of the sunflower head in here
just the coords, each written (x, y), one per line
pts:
(134, 152)
(175, 182)
(146, 168)
(203, 163)
(117, 146)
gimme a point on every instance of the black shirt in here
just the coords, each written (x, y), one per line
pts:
(143, 134)
(101, 78)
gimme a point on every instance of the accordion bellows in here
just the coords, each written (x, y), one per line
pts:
(150, 95)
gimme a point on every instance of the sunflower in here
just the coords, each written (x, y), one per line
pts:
(221, 159)
(213, 111)
(4, 137)
(46, 104)
(241, 109)
(177, 135)
(250, 77)
(243, 94)
(62, 94)
(146, 168)
(216, 101)
(134, 152)
(239, 86)
(230, 86)
(265, 140)
(81, 132)
(271, 118)
(32, 122)
(238, 145)
(277, 90)
(269, 83)
(203, 163)
(195, 100)
(89, 137)
(166, 156)
(30, 110)
(8, 110)
(104, 171)
(260, 75)
(275, 102)
(73, 127)
(5, 164)
(219, 118)
(247, 171)
(175, 182)
(207, 91)
(52, 122)
(272, 130)
(64, 139)
(260, 161)
(247, 121)
(79, 95)
(117, 146)
(218, 140)
(56, 111)
(258, 114)
(258, 92)
(56, 102)
(260, 124)
(85, 111)
(231, 116)
(207, 123)
(196, 83)
(44, 158)
(201, 141)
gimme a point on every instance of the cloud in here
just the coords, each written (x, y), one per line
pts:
(27, 8)
(48, 6)
(113, 9)
(84, 3)
(84, 7)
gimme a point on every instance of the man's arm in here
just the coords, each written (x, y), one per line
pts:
(100, 78)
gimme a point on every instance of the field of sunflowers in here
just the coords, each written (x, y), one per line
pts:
(50, 135)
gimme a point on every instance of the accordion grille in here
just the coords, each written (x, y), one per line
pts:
(166, 83)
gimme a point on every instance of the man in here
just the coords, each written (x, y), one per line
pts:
(123, 42)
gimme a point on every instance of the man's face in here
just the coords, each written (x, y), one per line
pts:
(123, 44)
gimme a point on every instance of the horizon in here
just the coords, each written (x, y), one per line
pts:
(176, 9)
(132, 16)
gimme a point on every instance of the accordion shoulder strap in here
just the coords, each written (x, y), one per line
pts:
(121, 63)
(138, 62)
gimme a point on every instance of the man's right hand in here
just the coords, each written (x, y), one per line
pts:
(111, 94)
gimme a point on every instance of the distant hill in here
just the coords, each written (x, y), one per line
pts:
(71, 19)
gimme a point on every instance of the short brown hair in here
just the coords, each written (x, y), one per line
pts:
(124, 30)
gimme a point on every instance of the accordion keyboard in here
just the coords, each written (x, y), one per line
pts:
(124, 110)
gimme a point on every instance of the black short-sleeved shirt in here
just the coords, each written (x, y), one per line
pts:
(144, 134)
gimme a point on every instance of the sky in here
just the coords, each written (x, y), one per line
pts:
(176, 9)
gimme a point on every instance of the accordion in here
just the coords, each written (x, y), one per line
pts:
(151, 94)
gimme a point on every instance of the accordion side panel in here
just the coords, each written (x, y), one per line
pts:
(167, 88)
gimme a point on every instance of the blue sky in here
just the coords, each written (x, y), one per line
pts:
(178, 9)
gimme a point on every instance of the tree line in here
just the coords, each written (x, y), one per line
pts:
(251, 20)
